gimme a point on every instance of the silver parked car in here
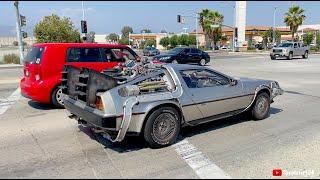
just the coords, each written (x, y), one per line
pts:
(158, 102)
(289, 50)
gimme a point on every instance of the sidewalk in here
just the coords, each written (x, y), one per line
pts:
(10, 66)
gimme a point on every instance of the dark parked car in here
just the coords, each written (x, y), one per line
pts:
(150, 51)
(183, 55)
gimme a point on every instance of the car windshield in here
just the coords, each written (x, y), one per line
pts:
(285, 45)
(175, 51)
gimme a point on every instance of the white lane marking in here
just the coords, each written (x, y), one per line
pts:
(7, 103)
(202, 166)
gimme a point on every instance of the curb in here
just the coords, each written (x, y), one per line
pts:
(10, 66)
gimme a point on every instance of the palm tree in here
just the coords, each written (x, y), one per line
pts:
(207, 18)
(294, 18)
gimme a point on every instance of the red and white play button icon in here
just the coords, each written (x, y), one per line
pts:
(277, 172)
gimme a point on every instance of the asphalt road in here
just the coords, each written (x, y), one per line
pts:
(37, 141)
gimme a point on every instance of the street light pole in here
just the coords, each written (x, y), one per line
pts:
(18, 28)
(83, 16)
(197, 30)
(274, 25)
(234, 25)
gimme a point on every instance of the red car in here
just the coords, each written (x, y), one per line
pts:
(45, 62)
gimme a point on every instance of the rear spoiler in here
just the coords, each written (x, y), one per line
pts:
(84, 83)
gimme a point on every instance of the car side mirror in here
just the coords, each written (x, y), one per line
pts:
(233, 82)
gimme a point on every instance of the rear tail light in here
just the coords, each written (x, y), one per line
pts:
(37, 77)
(156, 62)
(99, 104)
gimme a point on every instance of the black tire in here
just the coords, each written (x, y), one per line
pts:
(272, 57)
(55, 101)
(164, 117)
(290, 56)
(306, 55)
(261, 106)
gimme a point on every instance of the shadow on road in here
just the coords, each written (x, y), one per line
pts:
(134, 143)
(285, 59)
(40, 106)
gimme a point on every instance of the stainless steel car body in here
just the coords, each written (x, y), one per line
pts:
(195, 105)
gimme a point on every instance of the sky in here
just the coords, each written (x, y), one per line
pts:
(106, 17)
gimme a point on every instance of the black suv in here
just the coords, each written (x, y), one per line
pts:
(184, 55)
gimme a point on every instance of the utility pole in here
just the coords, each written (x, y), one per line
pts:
(18, 28)
(197, 30)
(274, 25)
(234, 29)
(83, 19)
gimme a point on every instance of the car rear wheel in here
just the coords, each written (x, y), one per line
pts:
(261, 106)
(174, 62)
(57, 97)
(305, 56)
(202, 62)
(272, 57)
(162, 127)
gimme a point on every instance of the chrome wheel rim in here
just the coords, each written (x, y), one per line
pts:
(262, 105)
(60, 96)
(202, 62)
(175, 62)
(164, 127)
(306, 54)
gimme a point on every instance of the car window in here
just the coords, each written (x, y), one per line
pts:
(34, 55)
(117, 55)
(187, 50)
(200, 78)
(84, 55)
(193, 50)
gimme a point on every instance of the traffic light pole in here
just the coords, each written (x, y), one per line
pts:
(18, 28)
(83, 18)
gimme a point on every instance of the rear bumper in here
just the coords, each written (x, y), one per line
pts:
(37, 91)
(90, 115)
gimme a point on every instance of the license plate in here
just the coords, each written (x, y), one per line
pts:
(277, 55)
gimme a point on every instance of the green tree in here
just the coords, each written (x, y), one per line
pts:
(146, 30)
(148, 42)
(125, 31)
(192, 40)
(183, 40)
(294, 18)
(308, 38)
(318, 39)
(268, 37)
(173, 41)
(165, 42)
(55, 29)
(207, 18)
(112, 37)
(124, 41)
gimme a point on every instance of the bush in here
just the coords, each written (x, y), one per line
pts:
(250, 48)
(314, 48)
(11, 59)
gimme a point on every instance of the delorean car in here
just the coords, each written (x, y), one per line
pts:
(157, 103)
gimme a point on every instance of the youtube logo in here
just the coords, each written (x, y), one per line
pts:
(277, 172)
